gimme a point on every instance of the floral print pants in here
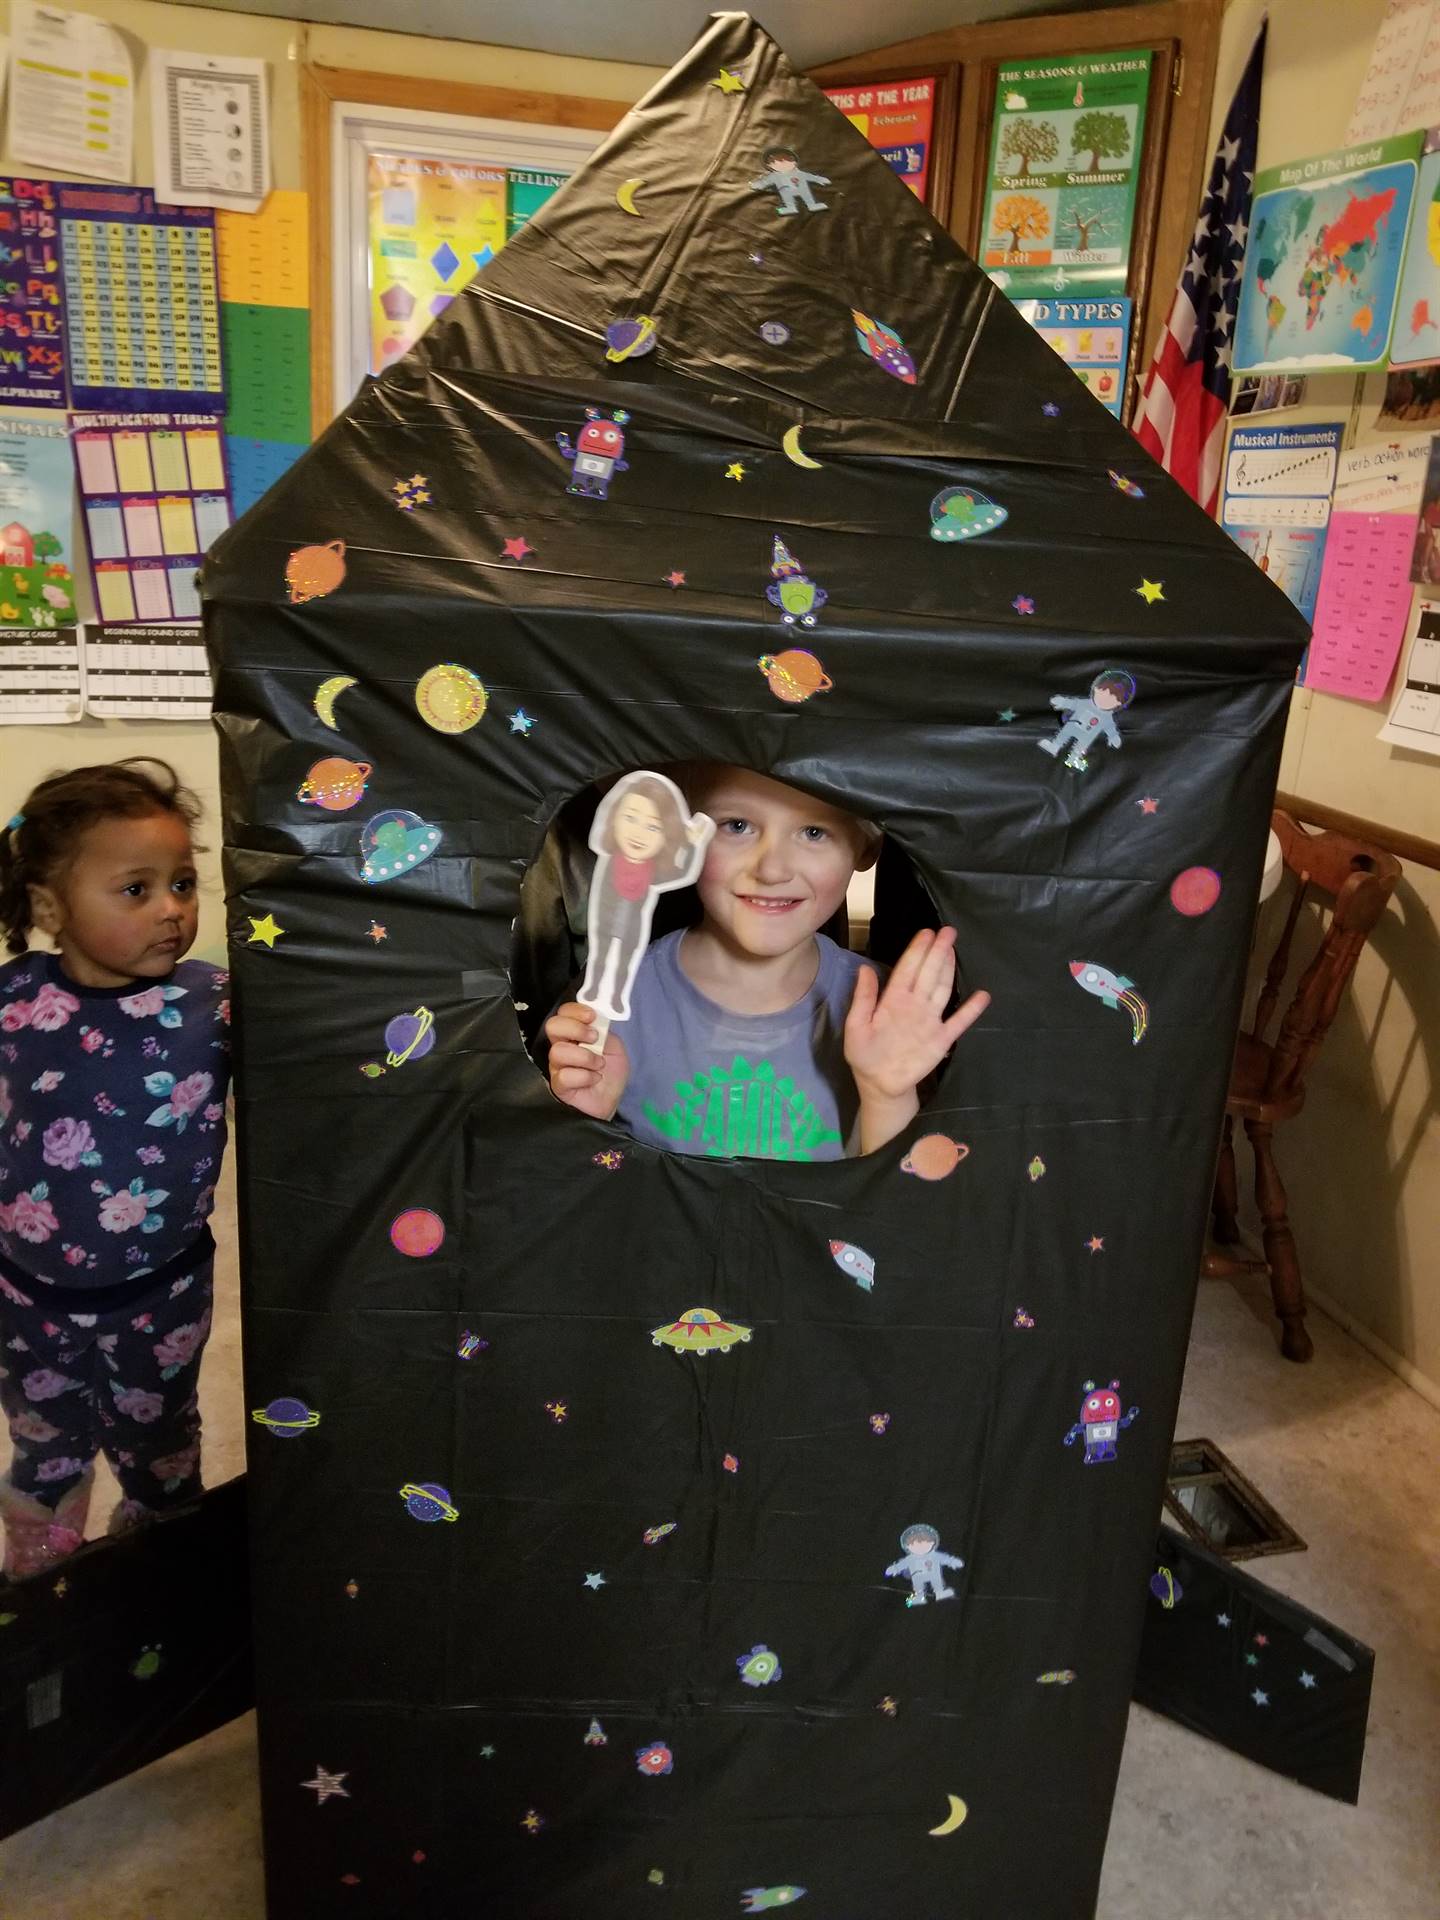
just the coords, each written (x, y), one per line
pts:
(123, 1383)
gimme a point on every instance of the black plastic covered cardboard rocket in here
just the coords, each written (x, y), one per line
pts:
(617, 1548)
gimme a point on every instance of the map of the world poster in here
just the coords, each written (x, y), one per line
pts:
(1323, 259)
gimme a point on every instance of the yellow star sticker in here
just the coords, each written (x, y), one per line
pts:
(1150, 591)
(729, 82)
(735, 471)
(264, 931)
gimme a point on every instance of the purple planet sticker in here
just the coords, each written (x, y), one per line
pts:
(286, 1418)
(409, 1036)
(428, 1502)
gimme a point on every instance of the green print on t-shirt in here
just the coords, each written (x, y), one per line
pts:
(745, 1111)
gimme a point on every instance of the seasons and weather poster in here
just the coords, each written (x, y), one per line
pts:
(1322, 263)
(1064, 167)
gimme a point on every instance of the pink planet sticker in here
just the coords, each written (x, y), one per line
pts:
(1195, 891)
(417, 1232)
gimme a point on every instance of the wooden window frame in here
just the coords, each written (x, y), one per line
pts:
(321, 89)
(1184, 38)
(944, 123)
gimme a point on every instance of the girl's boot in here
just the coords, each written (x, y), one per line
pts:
(37, 1536)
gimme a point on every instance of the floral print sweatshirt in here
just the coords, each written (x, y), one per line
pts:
(112, 1121)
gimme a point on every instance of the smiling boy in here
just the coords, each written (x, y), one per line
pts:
(753, 1033)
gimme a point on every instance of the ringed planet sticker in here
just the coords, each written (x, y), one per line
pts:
(417, 1233)
(286, 1418)
(450, 698)
(409, 1036)
(428, 1502)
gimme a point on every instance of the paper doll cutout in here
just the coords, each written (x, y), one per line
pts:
(648, 843)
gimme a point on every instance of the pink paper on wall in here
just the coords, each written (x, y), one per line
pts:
(1363, 605)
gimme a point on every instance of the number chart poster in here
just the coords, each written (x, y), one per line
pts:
(37, 493)
(32, 324)
(142, 300)
(897, 117)
(153, 489)
(1064, 170)
(1322, 262)
(1276, 504)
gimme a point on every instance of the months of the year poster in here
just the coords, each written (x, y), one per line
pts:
(142, 300)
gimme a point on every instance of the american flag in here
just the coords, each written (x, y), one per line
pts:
(1186, 397)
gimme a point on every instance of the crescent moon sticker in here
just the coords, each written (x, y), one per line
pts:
(790, 441)
(625, 195)
(327, 693)
(955, 1818)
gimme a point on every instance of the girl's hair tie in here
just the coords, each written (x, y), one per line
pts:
(15, 822)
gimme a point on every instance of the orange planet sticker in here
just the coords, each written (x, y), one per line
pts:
(312, 572)
(794, 675)
(934, 1156)
(450, 698)
(335, 784)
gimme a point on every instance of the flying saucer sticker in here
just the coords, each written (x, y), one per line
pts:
(700, 1330)
(426, 1501)
(394, 843)
(312, 572)
(287, 1419)
(934, 1156)
(769, 1899)
(964, 513)
(793, 676)
(450, 698)
(1114, 990)
(417, 1233)
(758, 1668)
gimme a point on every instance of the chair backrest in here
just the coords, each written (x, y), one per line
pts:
(1360, 879)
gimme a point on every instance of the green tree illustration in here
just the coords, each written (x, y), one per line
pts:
(1028, 140)
(46, 546)
(1106, 135)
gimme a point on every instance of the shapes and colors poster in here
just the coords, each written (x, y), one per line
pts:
(1092, 337)
(897, 117)
(1323, 259)
(1064, 168)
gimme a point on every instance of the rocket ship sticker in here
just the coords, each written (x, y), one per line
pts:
(1116, 991)
(884, 346)
(856, 1262)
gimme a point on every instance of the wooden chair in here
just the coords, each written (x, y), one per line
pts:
(1267, 1081)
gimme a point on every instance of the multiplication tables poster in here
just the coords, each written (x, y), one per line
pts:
(142, 299)
(153, 488)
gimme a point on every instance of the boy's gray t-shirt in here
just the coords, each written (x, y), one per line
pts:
(766, 1086)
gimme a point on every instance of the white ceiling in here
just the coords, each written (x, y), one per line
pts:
(657, 32)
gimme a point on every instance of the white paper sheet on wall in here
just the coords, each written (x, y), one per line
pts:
(42, 676)
(210, 120)
(1415, 712)
(1401, 88)
(146, 673)
(72, 94)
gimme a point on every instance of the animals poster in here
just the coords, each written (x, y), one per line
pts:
(37, 491)
(1417, 311)
(1064, 167)
(897, 117)
(1322, 265)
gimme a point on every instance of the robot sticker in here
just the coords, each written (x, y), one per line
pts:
(648, 842)
(1090, 720)
(792, 590)
(599, 454)
(921, 1565)
(1100, 1421)
(787, 179)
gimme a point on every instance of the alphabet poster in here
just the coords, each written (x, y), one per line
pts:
(32, 308)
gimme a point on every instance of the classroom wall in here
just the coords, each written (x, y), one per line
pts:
(28, 753)
(1362, 1162)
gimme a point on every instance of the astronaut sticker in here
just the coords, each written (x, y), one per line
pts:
(648, 843)
(922, 1564)
(598, 457)
(1090, 720)
(1099, 1423)
(791, 589)
(785, 177)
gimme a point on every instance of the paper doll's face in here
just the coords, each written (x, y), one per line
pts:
(637, 828)
(921, 1543)
(779, 864)
(1107, 699)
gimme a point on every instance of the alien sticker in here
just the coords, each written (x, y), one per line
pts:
(791, 589)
